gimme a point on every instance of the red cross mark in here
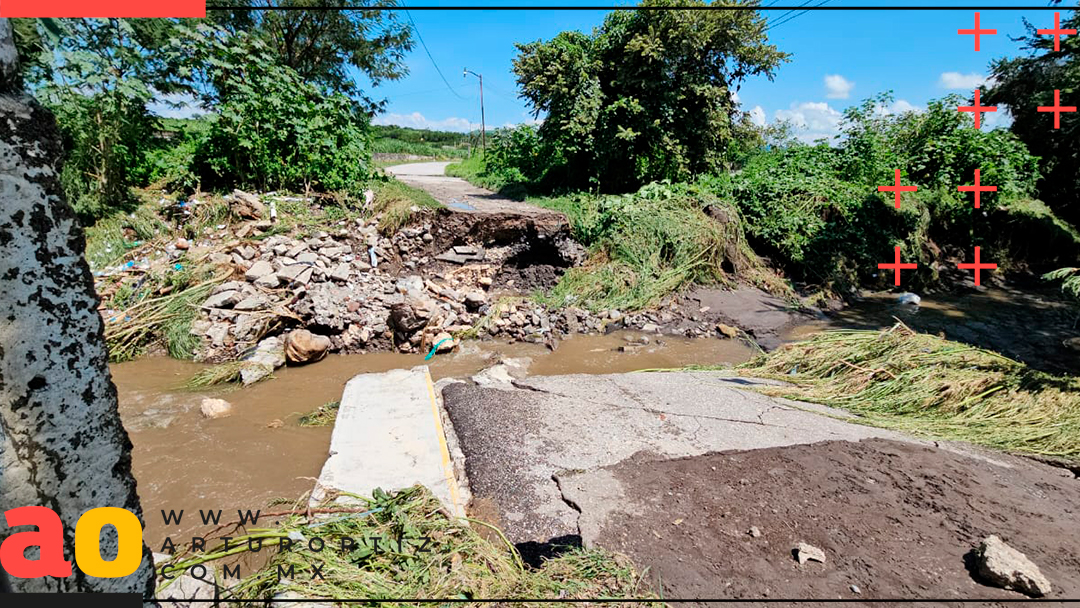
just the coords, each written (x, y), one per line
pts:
(896, 188)
(977, 109)
(1057, 109)
(1057, 32)
(896, 266)
(978, 267)
(978, 188)
(976, 32)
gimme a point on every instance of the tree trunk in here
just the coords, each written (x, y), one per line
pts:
(62, 445)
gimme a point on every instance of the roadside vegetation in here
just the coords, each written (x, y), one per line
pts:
(439, 557)
(929, 386)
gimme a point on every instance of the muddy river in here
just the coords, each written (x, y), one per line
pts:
(183, 461)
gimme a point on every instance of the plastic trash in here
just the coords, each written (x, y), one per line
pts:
(435, 348)
(908, 298)
(178, 266)
(374, 260)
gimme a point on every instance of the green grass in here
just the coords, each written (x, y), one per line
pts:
(324, 415)
(472, 170)
(650, 244)
(111, 239)
(394, 201)
(929, 386)
(456, 563)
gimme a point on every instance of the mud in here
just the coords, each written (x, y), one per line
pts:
(183, 461)
(895, 520)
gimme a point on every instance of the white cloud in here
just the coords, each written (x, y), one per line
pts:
(416, 120)
(175, 105)
(838, 87)
(966, 82)
(813, 119)
(757, 116)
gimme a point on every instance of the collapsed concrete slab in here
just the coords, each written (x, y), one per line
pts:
(517, 437)
(390, 434)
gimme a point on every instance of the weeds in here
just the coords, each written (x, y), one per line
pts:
(930, 386)
(324, 415)
(395, 202)
(650, 244)
(422, 552)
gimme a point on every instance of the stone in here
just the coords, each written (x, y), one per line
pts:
(225, 299)
(268, 356)
(908, 299)
(215, 408)
(258, 269)
(485, 281)
(445, 343)
(251, 303)
(754, 532)
(727, 331)
(307, 257)
(474, 300)
(182, 244)
(651, 328)
(1004, 566)
(246, 252)
(340, 273)
(246, 205)
(269, 281)
(805, 552)
(614, 315)
(302, 346)
(217, 333)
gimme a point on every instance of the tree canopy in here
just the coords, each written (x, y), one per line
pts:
(647, 96)
(1021, 85)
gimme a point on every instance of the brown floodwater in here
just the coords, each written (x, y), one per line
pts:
(259, 453)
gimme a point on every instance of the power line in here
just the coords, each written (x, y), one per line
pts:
(782, 22)
(421, 39)
(781, 17)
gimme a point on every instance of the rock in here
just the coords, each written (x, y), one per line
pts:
(215, 408)
(651, 328)
(427, 238)
(246, 205)
(182, 244)
(185, 587)
(445, 342)
(805, 552)
(269, 281)
(1072, 343)
(217, 334)
(727, 331)
(246, 252)
(302, 346)
(855, 589)
(340, 273)
(307, 257)
(225, 299)
(251, 303)
(485, 281)
(1003, 566)
(614, 315)
(257, 270)
(754, 532)
(474, 300)
(269, 355)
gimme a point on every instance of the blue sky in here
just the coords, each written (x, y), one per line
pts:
(838, 59)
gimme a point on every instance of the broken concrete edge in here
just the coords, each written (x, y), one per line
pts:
(452, 467)
(453, 446)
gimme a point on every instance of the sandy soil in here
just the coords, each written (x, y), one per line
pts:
(896, 520)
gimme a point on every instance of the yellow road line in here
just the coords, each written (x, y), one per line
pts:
(448, 467)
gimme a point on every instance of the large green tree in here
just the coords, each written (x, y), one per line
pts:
(325, 46)
(1021, 85)
(648, 95)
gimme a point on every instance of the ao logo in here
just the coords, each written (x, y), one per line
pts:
(49, 537)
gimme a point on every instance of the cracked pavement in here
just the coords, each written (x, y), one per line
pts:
(518, 439)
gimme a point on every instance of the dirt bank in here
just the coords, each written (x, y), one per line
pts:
(895, 520)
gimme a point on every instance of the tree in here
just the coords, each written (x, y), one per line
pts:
(62, 444)
(97, 76)
(1021, 85)
(648, 95)
(324, 45)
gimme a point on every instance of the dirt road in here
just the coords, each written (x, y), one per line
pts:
(457, 193)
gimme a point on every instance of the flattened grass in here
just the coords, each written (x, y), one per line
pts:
(929, 386)
(422, 552)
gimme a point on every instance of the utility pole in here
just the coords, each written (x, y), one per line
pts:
(483, 138)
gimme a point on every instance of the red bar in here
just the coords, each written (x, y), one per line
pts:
(102, 8)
